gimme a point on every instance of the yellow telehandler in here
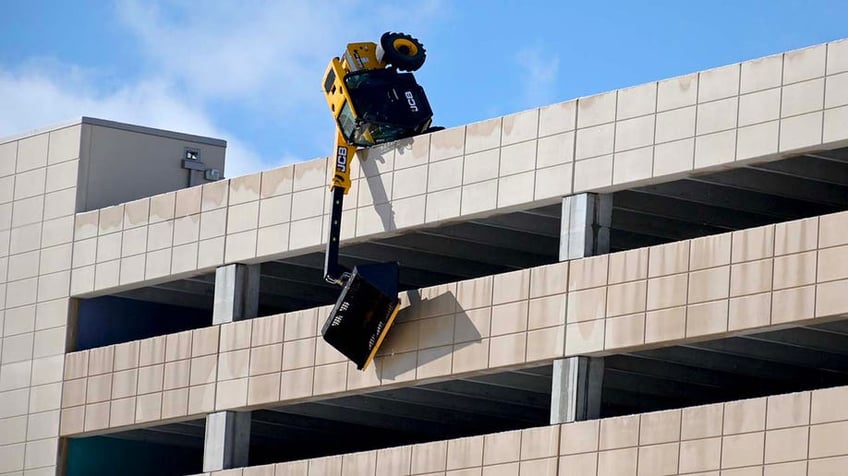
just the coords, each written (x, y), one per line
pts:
(374, 99)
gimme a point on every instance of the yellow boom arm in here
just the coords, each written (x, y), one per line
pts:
(357, 56)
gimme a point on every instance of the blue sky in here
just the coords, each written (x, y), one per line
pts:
(250, 71)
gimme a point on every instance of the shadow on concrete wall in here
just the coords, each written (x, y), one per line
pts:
(374, 182)
(383, 206)
(435, 305)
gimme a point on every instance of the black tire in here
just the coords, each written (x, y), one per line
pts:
(403, 51)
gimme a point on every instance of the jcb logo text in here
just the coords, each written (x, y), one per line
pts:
(341, 159)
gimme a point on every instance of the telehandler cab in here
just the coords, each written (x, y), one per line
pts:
(373, 103)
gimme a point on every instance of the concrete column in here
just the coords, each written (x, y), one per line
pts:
(227, 440)
(585, 229)
(236, 293)
(576, 389)
(578, 381)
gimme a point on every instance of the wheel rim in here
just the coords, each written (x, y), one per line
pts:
(405, 47)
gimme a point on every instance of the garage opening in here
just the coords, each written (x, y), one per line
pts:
(167, 450)
(108, 320)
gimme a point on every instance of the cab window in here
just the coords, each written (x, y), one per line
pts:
(346, 120)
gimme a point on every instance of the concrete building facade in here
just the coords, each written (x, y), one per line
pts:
(649, 281)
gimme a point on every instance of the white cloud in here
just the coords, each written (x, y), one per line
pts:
(235, 50)
(37, 97)
(268, 55)
(538, 75)
(262, 59)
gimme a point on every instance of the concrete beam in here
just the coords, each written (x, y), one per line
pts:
(786, 186)
(776, 208)
(662, 227)
(684, 210)
(477, 232)
(476, 251)
(585, 226)
(366, 418)
(236, 293)
(501, 411)
(745, 366)
(227, 440)
(576, 389)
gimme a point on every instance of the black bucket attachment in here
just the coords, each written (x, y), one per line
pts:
(364, 312)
